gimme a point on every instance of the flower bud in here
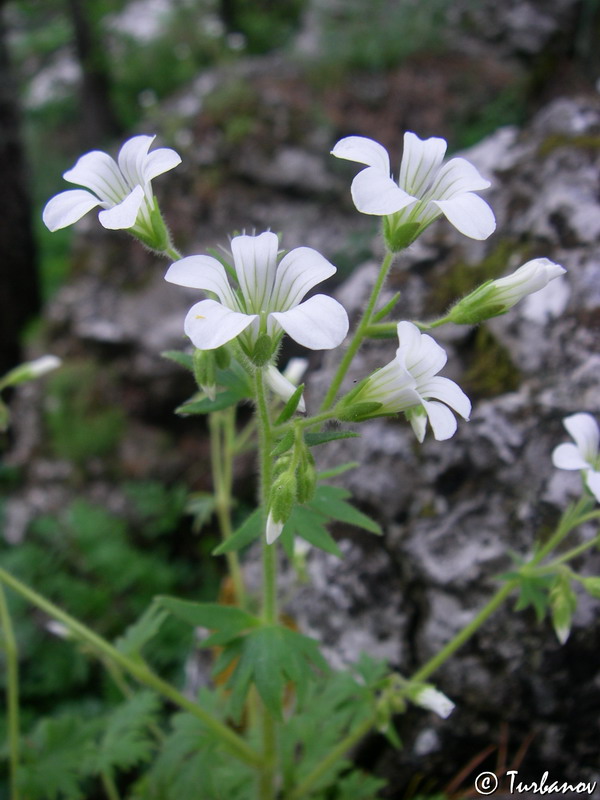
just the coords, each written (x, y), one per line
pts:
(283, 497)
(205, 372)
(494, 298)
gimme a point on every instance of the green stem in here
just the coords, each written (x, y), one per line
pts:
(12, 694)
(421, 675)
(110, 787)
(269, 560)
(463, 635)
(360, 332)
(137, 669)
(172, 253)
(222, 431)
(569, 555)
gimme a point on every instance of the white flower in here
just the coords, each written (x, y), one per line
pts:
(434, 700)
(267, 299)
(585, 453)
(426, 188)
(410, 384)
(285, 383)
(122, 188)
(496, 297)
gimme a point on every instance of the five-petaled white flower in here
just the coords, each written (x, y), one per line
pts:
(410, 384)
(122, 188)
(585, 453)
(426, 188)
(267, 299)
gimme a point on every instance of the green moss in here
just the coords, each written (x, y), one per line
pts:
(464, 278)
(558, 140)
(492, 371)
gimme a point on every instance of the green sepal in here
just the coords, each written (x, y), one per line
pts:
(399, 237)
(290, 407)
(222, 357)
(250, 530)
(282, 497)
(563, 602)
(357, 412)
(236, 387)
(263, 350)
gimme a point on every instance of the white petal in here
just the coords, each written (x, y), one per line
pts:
(99, 172)
(584, 430)
(202, 272)
(210, 324)
(320, 323)
(457, 176)
(434, 700)
(132, 157)
(421, 160)
(282, 387)
(374, 192)
(592, 480)
(67, 207)
(420, 353)
(469, 214)
(160, 161)
(363, 151)
(123, 215)
(274, 529)
(442, 420)
(298, 272)
(255, 259)
(448, 392)
(567, 456)
(418, 423)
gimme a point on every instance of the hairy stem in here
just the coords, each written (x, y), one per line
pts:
(137, 669)
(222, 431)
(12, 693)
(359, 334)
(269, 610)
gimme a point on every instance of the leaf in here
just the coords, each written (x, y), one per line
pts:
(237, 388)
(126, 741)
(283, 445)
(270, 658)
(313, 439)
(591, 586)
(180, 357)
(52, 758)
(201, 505)
(310, 525)
(290, 407)
(142, 631)
(250, 530)
(335, 471)
(331, 501)
(533, 591)
(228, 621)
